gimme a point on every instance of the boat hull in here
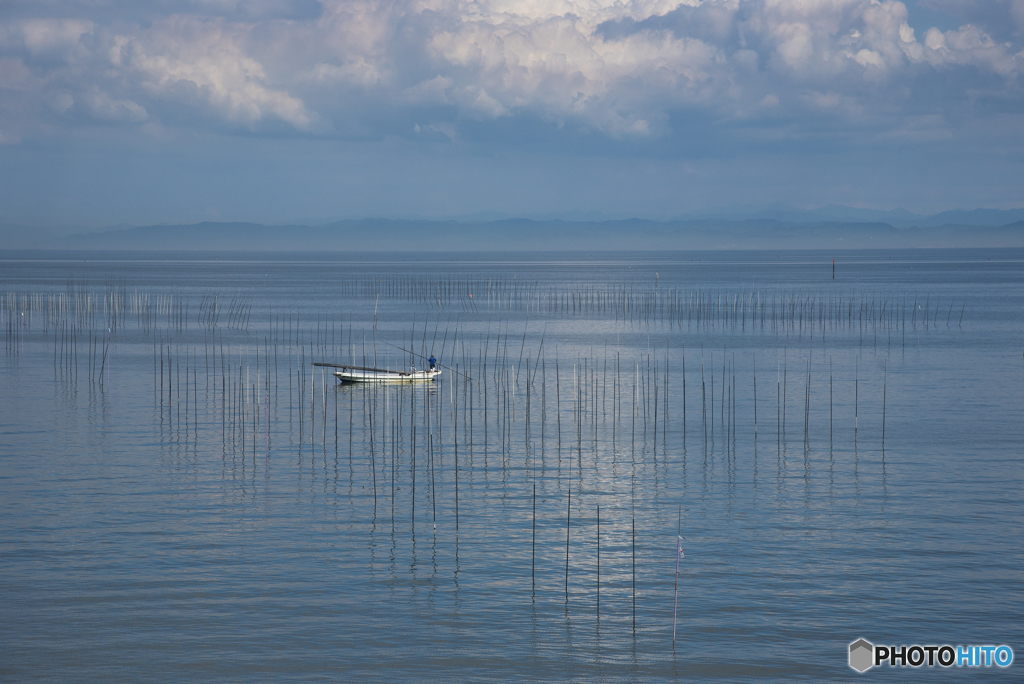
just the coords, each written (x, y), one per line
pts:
(354, 375)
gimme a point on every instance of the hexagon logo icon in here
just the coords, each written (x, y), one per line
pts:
(862, 654)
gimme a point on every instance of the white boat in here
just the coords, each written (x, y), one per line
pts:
(361, 374)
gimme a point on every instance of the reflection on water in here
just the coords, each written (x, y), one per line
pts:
(185, 492)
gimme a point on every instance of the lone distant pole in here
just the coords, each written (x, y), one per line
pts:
(833, 268)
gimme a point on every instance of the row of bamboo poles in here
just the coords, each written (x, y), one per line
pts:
(793, 313)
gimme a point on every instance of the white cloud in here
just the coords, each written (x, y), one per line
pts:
(433, 91)
(102, 106)
(206, 62)
(41, 36)
(357, 72)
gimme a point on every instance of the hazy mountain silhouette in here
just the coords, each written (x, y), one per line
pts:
(530, 235)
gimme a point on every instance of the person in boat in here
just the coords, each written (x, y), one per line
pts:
(433, 362)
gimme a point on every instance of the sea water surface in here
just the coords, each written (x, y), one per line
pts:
(184, 496)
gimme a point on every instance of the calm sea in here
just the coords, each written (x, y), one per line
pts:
(184, 496)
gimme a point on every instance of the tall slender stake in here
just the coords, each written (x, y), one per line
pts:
(455, 436)
(754, 361)
(679, 553)
(885, 379)
(568, 515)
(599, 560)
(433, 482)
(856, 400)
(533, 557)
(634, 576)
(392, 471)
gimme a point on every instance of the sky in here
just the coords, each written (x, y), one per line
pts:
(120, 112)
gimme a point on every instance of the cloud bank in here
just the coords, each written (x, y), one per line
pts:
(626, 71)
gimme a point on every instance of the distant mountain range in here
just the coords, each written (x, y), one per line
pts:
(898, 218)
(831, 227)
(525, 235)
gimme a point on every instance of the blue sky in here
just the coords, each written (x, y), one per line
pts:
(113, 111)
